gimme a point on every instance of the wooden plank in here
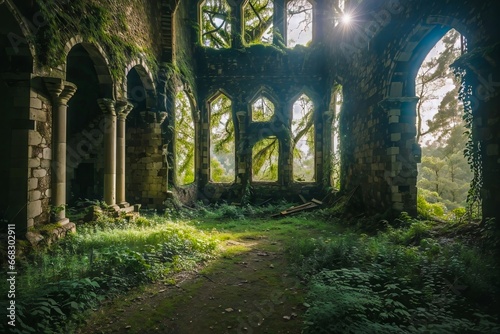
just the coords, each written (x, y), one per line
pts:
(317, 201)
(302, 199)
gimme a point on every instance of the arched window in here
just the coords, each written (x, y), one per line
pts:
(303, 140)
(222, 147)
(258, 17)
(265, 157)
(262, 109)
(215, 24)
(184, 139)
(299, 22)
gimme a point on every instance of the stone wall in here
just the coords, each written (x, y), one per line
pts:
(146, 170)
(376, 65)
(39, 160)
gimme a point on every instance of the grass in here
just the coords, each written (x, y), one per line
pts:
(401, 276)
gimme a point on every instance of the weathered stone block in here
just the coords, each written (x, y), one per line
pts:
(40, 172)
(33, 163)
(38, 115)
(34, 195)
(34, 138)
(34, 209)
(32, 183)
(47, 153)
(395, 136)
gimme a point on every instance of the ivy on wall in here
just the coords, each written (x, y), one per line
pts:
(95, 23)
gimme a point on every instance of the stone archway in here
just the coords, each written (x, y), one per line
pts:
(400, 105)
(145, 167)
(91, 168)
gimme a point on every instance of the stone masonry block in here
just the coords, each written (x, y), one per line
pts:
(393, 151)
(395, 136)
(32, 183)
(34, 195)
(38, 115)
(47, 153)
(33, 163)
(39, 172)
(34, 138)
(34, 209)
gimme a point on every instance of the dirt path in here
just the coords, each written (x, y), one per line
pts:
(248, 290)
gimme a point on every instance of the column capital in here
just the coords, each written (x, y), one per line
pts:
(60, 90)
(108, 106)
(123, 108)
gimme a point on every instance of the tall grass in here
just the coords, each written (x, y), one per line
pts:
(105, 257)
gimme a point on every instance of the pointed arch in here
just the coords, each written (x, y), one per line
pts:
(222, 148)
(303, 139)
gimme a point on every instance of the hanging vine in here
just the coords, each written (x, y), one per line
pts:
(472, 151)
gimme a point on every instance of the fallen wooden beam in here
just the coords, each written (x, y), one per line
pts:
(295, 209)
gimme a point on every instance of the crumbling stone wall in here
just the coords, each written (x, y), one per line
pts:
(376, 64)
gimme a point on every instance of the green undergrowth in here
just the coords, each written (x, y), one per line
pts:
(363, 275)
(407, 279)
(105, 258)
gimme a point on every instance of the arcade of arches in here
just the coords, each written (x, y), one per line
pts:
(97, 109)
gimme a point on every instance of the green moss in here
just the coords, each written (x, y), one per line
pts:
(94, 22)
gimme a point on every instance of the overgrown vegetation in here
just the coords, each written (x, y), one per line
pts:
(106, 257)
(401, 280)
(95, 23)
(362, 275)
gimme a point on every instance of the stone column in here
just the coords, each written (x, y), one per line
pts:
(122, 109)
(108, 106)
(242, 170)
(60, 92)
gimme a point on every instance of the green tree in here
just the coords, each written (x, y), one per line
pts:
(434, 74)
(222, 140)
(265, 155)
(184, 139)
(215, 25)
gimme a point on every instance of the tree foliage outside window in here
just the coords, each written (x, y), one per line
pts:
(222, 146)
(262, 109)
(184, 139)
(299, 22)
(303, 140)
(258, 17)
(216, 26)
(444, 175)
(265, 157)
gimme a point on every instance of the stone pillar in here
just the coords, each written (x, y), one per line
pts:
(122, 111)
(60, 92)
(242, 170)
(400, 170)
(108, 106)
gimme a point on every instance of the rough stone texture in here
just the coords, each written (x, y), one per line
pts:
(145, 169)
(375, 64)
(39, 160)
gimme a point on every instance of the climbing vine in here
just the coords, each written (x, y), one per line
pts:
(95, 23)
(472, 149)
